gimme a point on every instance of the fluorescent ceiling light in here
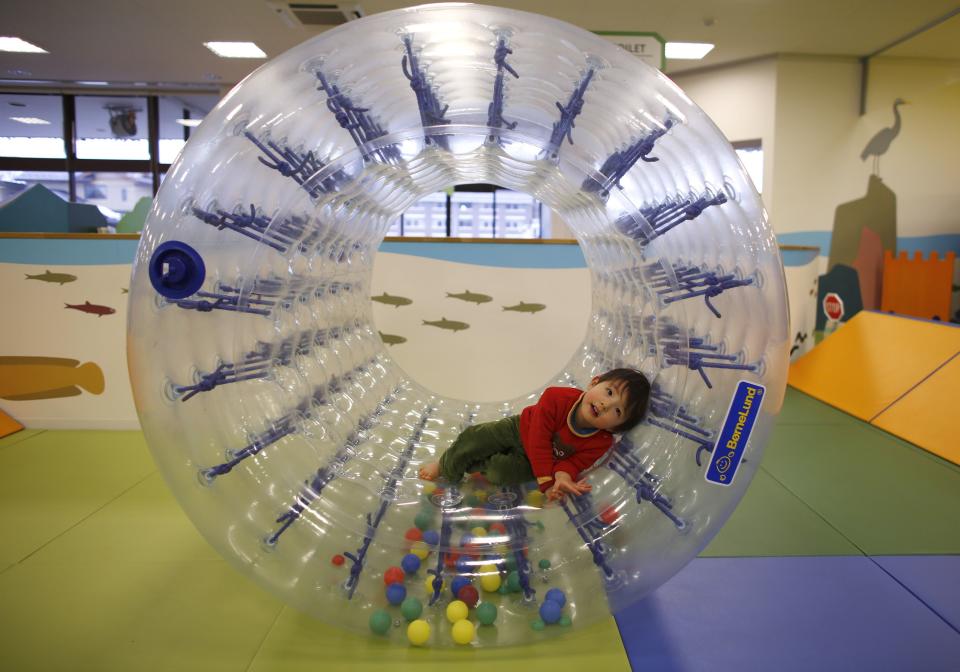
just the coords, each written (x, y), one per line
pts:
(94, 83)
(30, 120)
(235, 49)
(688, 50)
(18, 45)
(189, 122)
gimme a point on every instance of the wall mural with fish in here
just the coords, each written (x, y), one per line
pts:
(485, 330)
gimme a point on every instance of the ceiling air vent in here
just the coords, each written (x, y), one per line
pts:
(315, 15)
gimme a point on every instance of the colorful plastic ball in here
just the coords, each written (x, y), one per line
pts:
(423, 520)
(478, 531)
(538, 625)
(565, 621)
(513, 582)
(544, 564)
(380, 622)
(486, 613)
(556, 595)
(497, 528)
(420, 550)
(462, 632)
(429, 488)
(458, 583)
(429, 583)
(411, 608)
(457, 610)
(469, 595)
(410, 563)
(431, 537)
(481, 495)
(535, 499)
(464, 565)
(413, 534)
(396, 593)
(418, 632)
(490, 582)
(609, 515)
(450, 560)
(511, 563)
(466, 539)
(393, 575)
(550, 611)
(337, 560)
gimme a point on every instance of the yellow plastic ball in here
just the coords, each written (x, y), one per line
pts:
(535, 499)
(429, 584)
(481, 495)
(429, 488)
(490, 582)
(479, 531)
(462, 632)
(420, 549)
(457, 611)
(418, 632)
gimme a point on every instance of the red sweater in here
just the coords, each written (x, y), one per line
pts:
(550, 441)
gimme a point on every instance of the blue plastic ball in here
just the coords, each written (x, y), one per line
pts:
(431, 537)
(397, 593)
(410, 563)
(458, 583)
(464, 566)
(550, 611)
(556, 595)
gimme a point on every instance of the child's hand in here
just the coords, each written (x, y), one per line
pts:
(564, 485)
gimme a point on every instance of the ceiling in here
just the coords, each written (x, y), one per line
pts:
(159, 43)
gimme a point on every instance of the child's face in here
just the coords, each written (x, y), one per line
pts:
(603, 406)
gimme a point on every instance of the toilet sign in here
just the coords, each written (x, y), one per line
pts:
(833, 306)
(648, 47)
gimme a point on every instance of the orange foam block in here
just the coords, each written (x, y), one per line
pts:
(8, 425)
(872, 361)
(926, 415)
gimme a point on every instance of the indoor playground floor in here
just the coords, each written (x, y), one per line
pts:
(844, 555)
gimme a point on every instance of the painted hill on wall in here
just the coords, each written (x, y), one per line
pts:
(39, 210)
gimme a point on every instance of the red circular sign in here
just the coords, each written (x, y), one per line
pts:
(833, 306)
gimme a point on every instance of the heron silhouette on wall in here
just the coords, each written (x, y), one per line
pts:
(880, 143)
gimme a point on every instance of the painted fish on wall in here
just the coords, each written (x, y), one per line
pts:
(526, 307)
(91, 308)
(395, 301)
(58, 278)
(451, 325)
(31, 378)
(391, 339)
(472, 297)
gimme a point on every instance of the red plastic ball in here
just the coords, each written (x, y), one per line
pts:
(609, 515)
(451, 559)
(413, 534)
(497, 528)
(337, 560)
(469, 595)
(393, 575)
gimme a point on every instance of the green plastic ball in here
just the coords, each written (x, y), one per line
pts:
(380, 622)
(411, 608)
(511, 563)
(486, 613)
(565, 620)
(538, 625)
(544, 564)
(423, 520)
(513, 582)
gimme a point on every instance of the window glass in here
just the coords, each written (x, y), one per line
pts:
(427, 218)
(177, 113)
(15, 182)
(114, 194)
(518, 215)
(112, 127)
(472, 214)
(31, 126)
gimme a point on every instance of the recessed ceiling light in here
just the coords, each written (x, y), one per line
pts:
(235, 49)
(93, 83)
(20, 46)
(30, 120)
(189, 122)
(688, 50)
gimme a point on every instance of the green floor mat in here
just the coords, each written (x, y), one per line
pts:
(875, 489)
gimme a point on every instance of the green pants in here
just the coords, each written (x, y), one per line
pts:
(493, 448)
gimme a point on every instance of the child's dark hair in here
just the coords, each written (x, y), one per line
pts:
(637, 389)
